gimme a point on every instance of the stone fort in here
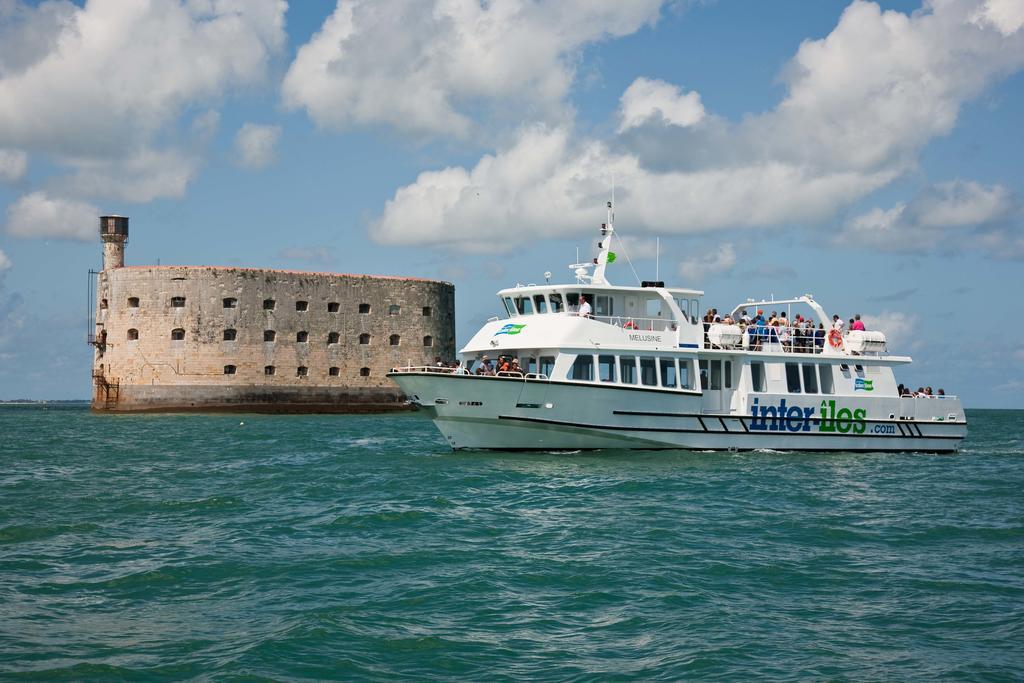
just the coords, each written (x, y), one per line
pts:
(248, 339)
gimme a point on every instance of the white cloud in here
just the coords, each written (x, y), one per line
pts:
(13, 164)
(1006, 15)
(647, 99)
(901, 330)
(861, 104)
(696, 268)
(947, 217)
(254, 145)
(546, 184)
(5, 262)
(100, 89)
(421, 66)
(114, 73)
(146, 175)
(38, 215)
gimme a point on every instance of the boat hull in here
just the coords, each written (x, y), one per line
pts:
(497, 413)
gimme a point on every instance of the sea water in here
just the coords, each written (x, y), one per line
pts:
(232, 547)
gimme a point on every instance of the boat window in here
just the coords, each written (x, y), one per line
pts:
(540, 304)
(859, 369)
(603, 305)
(582, 369)
(509, 308)
(694, 310)
(556, 303)
(793, 378)
(825, 373)
(716, 375)
(757, 376)
(530, 365)
(685, 374)
(524, 305)
(810, 379)
(606, 368)
(547, 364)
(727, 371)
(573, 300)
(668, 373)
(684, 307)
(648, 372)
(653, 308)
(627, 366)
(704, 374)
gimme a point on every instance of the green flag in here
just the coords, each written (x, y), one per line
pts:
(611, 257)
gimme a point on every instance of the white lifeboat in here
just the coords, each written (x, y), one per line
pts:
(865, 341)
(725, 336)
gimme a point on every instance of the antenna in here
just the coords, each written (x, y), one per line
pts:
(657, 258)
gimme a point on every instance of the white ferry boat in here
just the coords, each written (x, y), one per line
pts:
(636, 368)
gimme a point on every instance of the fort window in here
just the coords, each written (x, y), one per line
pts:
(364, 338)
(103, 304)
(177, 302)
(269, 335)
(230, 302)
(394, 340)
(269, 370)
(364, 308)
(394, 309)
(269, 304)
(428, 311)
(301, 305)
(428, 341)
(364, 372)
(229, 369)
(133, 302)
(301, 371)
(302, 336)
(333, 338)
(230, 335)
(333, 307)
(334, 372)
(133, 334)
(177, 334)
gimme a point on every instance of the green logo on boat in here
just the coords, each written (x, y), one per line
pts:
(511, 328)
(863, 384)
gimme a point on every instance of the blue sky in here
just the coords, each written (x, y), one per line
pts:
(866, 153)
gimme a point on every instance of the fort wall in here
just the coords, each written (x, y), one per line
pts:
(219, 338)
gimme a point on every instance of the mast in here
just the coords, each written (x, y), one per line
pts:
(603, 254)
(604, 247)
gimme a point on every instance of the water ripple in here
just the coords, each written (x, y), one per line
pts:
(331, 547)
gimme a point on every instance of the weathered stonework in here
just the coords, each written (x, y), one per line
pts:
(139, 366)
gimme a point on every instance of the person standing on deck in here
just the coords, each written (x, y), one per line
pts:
(585, 309)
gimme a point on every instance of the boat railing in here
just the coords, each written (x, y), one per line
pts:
(505, 374)
(630, 324)
(790, 339)
(430, 368)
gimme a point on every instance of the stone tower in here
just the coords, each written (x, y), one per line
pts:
(114, 232)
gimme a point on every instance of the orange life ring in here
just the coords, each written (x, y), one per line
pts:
(835, 339)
